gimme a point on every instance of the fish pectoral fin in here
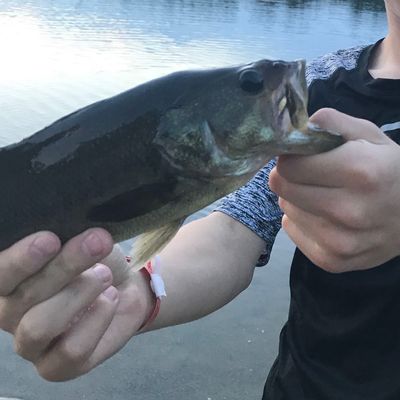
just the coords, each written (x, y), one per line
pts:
(150, 243)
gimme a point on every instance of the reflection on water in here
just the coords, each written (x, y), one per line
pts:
(357, 5)
(58, 56)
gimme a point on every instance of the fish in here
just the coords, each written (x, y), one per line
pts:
(139, 163)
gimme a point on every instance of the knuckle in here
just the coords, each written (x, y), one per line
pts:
(282, 204)
(323, 117)
(363, 176)
(23, 296)
(349, 214)
(5, 288)
(272, 180)
(49, 375)
(343, 246)
(336, 250)
(66, 267)
(321, 260)
(354, 217)
(28, 337)
(56, 371)
(279, 185)
(8, 273)
(105, 303)
(72, 354)
(9, 259)
(49, 372)
(86, 285)
(329, 263)
(7, 318)
(286, 225)
(19, 349)
(370, 126)
(277, 180)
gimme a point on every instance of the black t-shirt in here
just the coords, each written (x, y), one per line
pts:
(342, 338)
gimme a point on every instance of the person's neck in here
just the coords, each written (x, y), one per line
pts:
(386, 63)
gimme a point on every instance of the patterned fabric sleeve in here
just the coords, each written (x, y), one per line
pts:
(256, 206)
(324, 67)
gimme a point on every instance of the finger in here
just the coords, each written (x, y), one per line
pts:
(324, 244)
(46, 321)
(25, 258)
(349, 164)
(70, 356)
(349, 127)
(116, 261)
(320, 201)
(308, 246)
(338, 206)
(78, 254)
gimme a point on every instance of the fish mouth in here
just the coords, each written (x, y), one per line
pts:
(292, 106)
(290, 111)
(292, 102)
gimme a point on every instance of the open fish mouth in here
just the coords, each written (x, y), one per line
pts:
(293, 100)
(291, 116)
(292, 106)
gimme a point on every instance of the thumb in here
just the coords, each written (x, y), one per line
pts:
(116, 261)
(350, 128)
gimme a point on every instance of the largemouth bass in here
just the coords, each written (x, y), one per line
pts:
(140, 162)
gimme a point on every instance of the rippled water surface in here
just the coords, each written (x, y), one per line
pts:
(59, 55)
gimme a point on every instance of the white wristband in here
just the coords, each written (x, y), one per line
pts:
(157, 282)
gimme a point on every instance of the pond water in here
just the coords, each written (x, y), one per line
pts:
(57, 56)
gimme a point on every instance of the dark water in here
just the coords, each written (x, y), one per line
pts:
(60, 55)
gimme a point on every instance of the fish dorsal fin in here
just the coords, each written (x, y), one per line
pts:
(150, 243)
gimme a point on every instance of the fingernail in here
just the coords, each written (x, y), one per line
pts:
(93, 245)
(314, 126)
(44, 245)
(102, 272)
(111, 293)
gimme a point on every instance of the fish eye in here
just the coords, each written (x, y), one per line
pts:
(251, 81)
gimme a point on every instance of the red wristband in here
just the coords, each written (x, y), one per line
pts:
(147, 270)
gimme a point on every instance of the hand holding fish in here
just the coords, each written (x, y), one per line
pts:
(44, 287)
(342, 207)
(43, 291)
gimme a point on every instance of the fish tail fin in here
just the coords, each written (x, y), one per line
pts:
(150, 243)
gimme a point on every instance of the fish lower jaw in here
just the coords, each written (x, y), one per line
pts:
(245, 167)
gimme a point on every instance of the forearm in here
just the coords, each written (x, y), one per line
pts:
(207, 264)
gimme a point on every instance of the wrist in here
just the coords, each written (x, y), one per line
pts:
(146, 298)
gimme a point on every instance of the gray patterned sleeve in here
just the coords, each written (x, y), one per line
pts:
(256, 206)
(324, 67)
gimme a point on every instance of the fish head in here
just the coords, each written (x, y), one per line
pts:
(268, 102)
(232, 121)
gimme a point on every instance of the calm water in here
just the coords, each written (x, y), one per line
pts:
(59, 55)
